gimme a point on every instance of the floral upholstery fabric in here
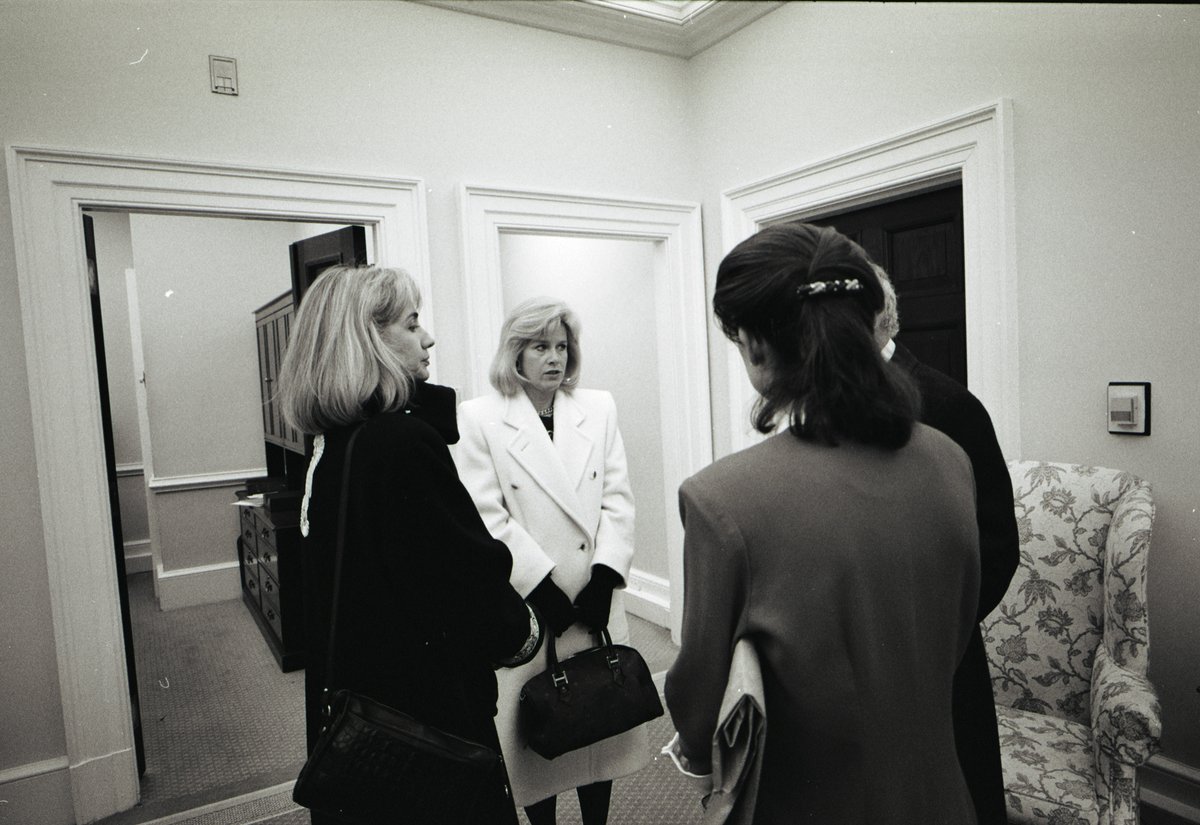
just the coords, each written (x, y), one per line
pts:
(1068, 647)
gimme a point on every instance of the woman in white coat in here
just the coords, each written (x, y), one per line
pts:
(545, 464)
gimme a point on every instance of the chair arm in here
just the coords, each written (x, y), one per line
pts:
(1126, 716)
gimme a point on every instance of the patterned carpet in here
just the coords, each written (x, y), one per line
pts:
(224, 732)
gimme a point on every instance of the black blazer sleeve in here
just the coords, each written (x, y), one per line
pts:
(952, 408)
(461, 573)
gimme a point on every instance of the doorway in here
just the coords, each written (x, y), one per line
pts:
(973, 148)
(918, 240)
(49, 189)
(176, 336)
(660, 243)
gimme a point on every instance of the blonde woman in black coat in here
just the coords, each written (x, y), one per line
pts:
(413, 632)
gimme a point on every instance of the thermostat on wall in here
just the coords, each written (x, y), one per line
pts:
(1129, 407)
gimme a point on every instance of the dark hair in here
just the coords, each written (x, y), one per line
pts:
(828, 373)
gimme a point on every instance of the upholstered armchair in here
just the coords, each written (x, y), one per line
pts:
(1069, 644)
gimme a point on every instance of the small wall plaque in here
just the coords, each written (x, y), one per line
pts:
(1129, 407)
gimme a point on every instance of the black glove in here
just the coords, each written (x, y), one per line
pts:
(553, 605)
(595, 599)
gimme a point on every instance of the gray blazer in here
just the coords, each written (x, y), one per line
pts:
(855, 572)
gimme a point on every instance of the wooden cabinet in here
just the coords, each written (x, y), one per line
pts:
(272, 585)
(273, 323)
(269, 536)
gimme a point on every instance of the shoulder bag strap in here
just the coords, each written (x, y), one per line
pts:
(343, 506)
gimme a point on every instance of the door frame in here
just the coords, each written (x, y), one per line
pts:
(48, 189)
(975, 148)
(681, 334)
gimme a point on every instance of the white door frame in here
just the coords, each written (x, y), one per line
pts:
(974, 147)
(681, 333)
(48, 190)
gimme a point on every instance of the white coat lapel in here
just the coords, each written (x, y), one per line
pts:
(537, 455)
(573, 444)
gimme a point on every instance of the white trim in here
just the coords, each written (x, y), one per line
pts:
(975, 147)
(138, 558)
(648, 596)
(1171, 786)
(190, 817)
(203, 584)
(204, 481)
(127, 470)
(682, 338)
(37, 793)
(48, 188)
(676, 29)
(32, 769)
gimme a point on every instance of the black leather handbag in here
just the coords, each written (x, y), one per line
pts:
(588, 697)
(373, 763)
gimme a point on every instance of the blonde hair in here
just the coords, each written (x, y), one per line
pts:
(337, 364)
(887, 322)
(528, 322)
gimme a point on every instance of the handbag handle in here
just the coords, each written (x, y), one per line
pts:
(343, 506)
(558, 674)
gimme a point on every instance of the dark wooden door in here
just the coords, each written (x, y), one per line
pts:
(918, 239)
(110, 460)
(312, 256)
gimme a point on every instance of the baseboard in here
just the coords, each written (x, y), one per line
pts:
(37, 794)
(1171, 786)
(198, 585)
(138, 558)
(648, 597)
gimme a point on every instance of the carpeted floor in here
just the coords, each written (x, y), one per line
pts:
(224, 731)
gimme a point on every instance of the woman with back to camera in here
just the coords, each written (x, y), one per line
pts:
(413, 631)
(844, 548)
(545, 464)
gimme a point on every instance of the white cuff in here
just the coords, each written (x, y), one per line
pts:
(702, 782)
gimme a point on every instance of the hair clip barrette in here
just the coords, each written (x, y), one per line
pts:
(829, 287)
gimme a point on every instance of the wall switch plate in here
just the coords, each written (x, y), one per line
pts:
(1129, 407)
(222, 72)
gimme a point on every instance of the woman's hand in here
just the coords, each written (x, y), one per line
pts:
(595, 599)
(554, 605)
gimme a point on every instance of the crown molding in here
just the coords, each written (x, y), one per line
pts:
(679, 28)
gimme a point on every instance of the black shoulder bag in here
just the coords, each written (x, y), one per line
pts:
(374, 763)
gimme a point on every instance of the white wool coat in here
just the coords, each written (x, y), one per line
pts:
(561, 506)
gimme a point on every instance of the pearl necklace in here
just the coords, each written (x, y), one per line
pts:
(548, 412)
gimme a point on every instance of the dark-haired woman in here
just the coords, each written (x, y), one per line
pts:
(844, 547)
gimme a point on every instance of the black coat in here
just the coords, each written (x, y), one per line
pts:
(418, 567)
(950, 407)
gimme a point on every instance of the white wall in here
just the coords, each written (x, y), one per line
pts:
(610, 285)
(388, 89)
(199, 281)
(1107, 170)
(1106, 173)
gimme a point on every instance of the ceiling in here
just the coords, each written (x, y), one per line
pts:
(681, 28)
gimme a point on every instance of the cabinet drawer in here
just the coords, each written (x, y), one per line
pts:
(249, 535)
(270, 605)
(268, 559)
(250, 582)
